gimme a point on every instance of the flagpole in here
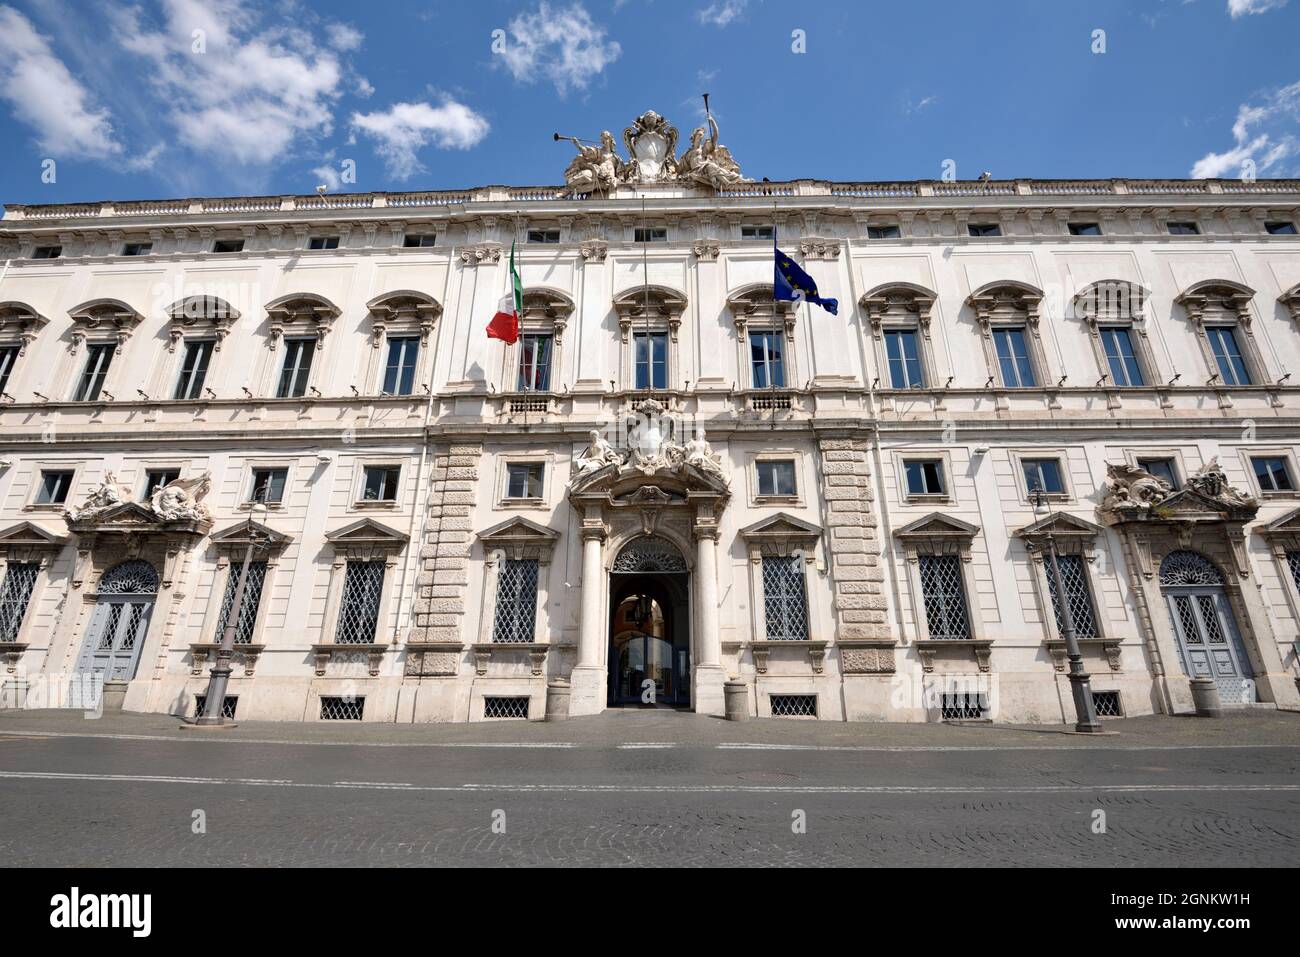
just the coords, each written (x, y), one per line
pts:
(645, 304)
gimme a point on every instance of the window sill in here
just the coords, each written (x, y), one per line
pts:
(52, 507)
(485, 651)
(534, 503)
(269, 506)
(1280, 494)
(928, 648)
(777, 500)
(385, 505)
(928, 498)
(324, 652)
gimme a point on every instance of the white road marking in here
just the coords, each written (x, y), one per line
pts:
(373, 784)
(756, 746)
(205, 737)
(645, 745)
(1077, 789)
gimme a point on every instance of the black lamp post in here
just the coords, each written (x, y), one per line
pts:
(219, 678)
(1080, 681)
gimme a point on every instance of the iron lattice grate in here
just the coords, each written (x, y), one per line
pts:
(784, 599)
(945, 596)
(516, 613)
(496, 707)
(1188, 568)
(1075, 579)
(359, 607)
(252, 598)
(793, 705)
(962, 706)
(342, 709)
(15, 593)
(1106, 704)
(228, 705)
(135, 577)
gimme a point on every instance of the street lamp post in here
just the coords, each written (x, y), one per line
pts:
(219, 678)
(1080, 681)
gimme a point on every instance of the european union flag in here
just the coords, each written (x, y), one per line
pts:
(790, 283)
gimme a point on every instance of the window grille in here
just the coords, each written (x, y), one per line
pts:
(1188, 568)
(133, 625)
(649, 555)
(15, 593)
(784, 598)
(793, 705)
(135, 577)
(962, 706)
(1191, 631)
(1293, 563)
(252, 598)
(359, 608)
(228, 705)
(505, 707)
(1074, 577)
(945, 596)
(516, 601)
(1106, 704)
(333, 708)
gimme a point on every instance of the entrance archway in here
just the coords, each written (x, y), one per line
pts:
(121, 617)
(1205, 628)
(649, 633)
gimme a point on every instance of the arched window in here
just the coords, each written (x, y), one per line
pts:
(135, 577)
(1188, 568)
(1220, 310)
(649, 555)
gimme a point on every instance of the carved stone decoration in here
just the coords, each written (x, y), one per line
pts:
(17, 319)
(486, 253)
(863, 659)
(707, 162)
(651, 143)
(1133, 490)
(1133, 494)
(597, 455)
(432, 659)
(701, 455)
(594, 250)
(197, 315)
(109, 493)
(180, 500)
(1212, 482)
(596, 168)
(103, 315)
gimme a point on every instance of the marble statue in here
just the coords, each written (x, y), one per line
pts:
(179, 501)
(597, 455)
(107, 494)
(707, 162)
(595, 168)
(700, 455)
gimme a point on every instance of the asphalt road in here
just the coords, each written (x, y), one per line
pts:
(522, 797)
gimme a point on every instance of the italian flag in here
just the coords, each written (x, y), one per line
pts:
(505, 324)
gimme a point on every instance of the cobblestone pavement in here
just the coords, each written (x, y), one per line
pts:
(646, 789)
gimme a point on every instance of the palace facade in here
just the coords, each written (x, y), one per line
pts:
(671, 481)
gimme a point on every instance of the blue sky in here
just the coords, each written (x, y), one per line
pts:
(213, 97)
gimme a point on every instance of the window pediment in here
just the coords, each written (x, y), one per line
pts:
(100, 316)
(403, 310)
(1006, 299)
(1111, 300)
(756, 304)
(197, 315)
(365, 538)
(301, 313)
(903, 299)
(1071, 534)
(21, 321)
(28, 538)
(655, 304)
(1216, 296)
(937, 534)
(236, 537)
(1290, 299)
(781, 534)
(518, 538)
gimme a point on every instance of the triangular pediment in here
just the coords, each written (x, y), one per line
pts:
(518, 529)
(30, 534)
(366, 531)
(125, 515)
(239, 534)
(781, 525)
(1061, 523)
(1287, 524)
(937, 523)
(1188, 501)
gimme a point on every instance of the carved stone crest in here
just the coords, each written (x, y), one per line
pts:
(652, 143)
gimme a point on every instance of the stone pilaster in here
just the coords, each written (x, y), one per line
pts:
(861, 610)
(444, 561)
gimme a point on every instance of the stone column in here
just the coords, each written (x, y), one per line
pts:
(588, 694)
(707, 675)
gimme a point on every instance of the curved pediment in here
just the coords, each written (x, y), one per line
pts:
(665, 485)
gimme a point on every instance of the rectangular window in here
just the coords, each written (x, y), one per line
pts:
(1184, 229)
(8, 356)
(47, 252)
(1272, 473)
(1013, 357)
(194, 369)
(755, 232)
(1074, 578)
(1085, 229)
(944, 596)
(323, 242)
(903, 354)
(1117, 342)
(98, 359)
(268, 485)
(651, 359)
(228, 246)
(248, 610)
(54, 488)
(1227, 354)
(785, 602)
(154, 479)
(296, 369)
(399, 373)
(380, 483)
(137, 249)
(767, 360)
(363, 585)
(776, 477)
(15, 594)
(924, 476)
(419, 240)
(1043, 475)
(883, 232)
(644, 234)
(1280, 229)
(984, 229)
(534, 363)
(549, 237)
(524, 479)
(1162, 468)
(516, 610)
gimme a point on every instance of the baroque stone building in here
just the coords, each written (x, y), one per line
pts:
(671, 480)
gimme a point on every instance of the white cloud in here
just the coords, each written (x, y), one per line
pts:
(47, 97)
(562, 45)
(251, 93)
(918, 105)
(722, 12)
(405, 128)
(344, 37)
(1241, 8)
(1263, 134)
(328, 176)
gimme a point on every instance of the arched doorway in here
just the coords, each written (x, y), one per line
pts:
(649, 633)
(120, 620)
(1205, 628)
